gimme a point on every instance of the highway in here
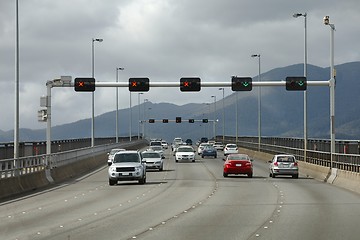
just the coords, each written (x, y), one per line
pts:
(185, 201)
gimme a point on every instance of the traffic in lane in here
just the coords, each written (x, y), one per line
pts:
(186, 201)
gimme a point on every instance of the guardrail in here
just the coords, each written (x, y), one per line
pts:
(26, 165)
(343, 161)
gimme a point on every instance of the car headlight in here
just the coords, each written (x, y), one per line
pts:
(112, 169)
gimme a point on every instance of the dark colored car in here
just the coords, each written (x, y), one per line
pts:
(204, 140)
(188, 141)
(238, 164)
(209, 151)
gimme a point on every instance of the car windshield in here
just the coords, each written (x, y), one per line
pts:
(185, 150)
(238, 157)
(126, 157)
(231, 146)
(150, 155)
(156, 148)
(286, 159)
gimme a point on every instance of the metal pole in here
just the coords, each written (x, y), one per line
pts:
(16, 118)
(296, 15)
(214, 123)
(139, 115)
(259, 108)
(92, 95)
(223, 103)
(48, 120)
(130, 118)
(117, 108)
(236, 117)
(332, 94)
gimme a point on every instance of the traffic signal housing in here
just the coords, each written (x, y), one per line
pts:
(241, 83)
(151, 120)
(139, 84)
(165, 120)
(191, 120)
(84, 84)
(178, 119)
(205, 120)
(190, 84)
(296, 83)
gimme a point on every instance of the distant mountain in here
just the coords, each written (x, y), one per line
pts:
(281, 112)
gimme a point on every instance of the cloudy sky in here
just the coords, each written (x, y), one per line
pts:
(160, 39)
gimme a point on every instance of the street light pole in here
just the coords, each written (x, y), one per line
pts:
(92, 94)
(139, 115)
(130, 118)
(296, 15)
(144, 117)
(117, 105)
(214, 126)
(223, 102)
(236, 118)
(259, 103)
(332, 89)
(16, 127)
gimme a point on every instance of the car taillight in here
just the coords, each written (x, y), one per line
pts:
(276, 164)
(295, 164)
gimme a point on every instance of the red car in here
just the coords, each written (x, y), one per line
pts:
(238, 164)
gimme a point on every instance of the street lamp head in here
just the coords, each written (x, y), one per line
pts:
(98, 39)
(221, 88)
(296, 15)
(120, 68)
(326, 20)
(255, 55)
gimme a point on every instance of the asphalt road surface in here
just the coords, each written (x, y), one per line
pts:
(185, 201)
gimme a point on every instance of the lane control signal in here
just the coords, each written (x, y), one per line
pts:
(178, 120)
(241, 83)
(190, 84)
(84, 84)
(139, 84)
(296, 83)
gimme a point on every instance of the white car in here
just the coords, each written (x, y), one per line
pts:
(112, 153)
(158, 149)
(153, 160)
(219, 146)
(201, 147)
(230, 148)
(164, 144)
(185, 153)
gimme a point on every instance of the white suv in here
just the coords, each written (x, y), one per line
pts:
(127, 166)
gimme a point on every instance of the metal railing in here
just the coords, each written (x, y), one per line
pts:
(343, 161)
(26, 165)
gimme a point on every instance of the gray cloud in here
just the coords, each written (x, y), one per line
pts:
(161, 39)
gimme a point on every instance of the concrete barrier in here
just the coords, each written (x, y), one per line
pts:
(344, 179)
(12, 187)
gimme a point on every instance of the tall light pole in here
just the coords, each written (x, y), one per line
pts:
(236, 118)
(16, 127)
(130, 117)
(259, 103)
(296, 15)
(144, 117)
(223, 102)
(92, 94)
(214, 126)
(139, 115)
(117, 104)
(332, 88)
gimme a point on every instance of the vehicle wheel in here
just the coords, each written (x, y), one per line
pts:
(295, 176)
(273, 175)
(142, 181)
(112, 182)
(270, 175)
(225, 174)
(215, 156)
(193, 160)
(176, 161)
(250, 175)
(161, 168)
(202, 156)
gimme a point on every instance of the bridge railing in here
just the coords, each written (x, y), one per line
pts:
(26, 165)
(347, 162)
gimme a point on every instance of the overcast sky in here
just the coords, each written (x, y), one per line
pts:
(160, 39)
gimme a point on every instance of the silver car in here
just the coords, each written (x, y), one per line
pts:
(127, 166)
(111, 154)
(284, 164)
(153, 160)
